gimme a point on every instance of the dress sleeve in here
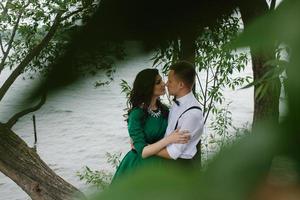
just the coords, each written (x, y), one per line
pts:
(136, 129)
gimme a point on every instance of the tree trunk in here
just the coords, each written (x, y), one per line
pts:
(24, 166)
(266, 107)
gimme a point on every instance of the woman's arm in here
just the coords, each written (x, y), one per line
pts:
(175, 137)
(136, 132)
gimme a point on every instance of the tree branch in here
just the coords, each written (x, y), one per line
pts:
(1, 4)
(30, 56)
(12, 121)
(1, 44)
(4, 12)
(12, 38)
(10, 42)
(72, 13)
(199, 81)
(205, 94)
(210, 98)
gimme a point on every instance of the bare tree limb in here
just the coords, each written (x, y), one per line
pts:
(28, 58)
(18, 115)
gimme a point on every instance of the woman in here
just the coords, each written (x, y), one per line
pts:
(147, 123)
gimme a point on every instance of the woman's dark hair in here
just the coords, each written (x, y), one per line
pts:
(142, 92)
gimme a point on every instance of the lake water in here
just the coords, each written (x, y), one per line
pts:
(80, 123)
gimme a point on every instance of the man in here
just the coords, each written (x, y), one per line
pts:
(185, 112)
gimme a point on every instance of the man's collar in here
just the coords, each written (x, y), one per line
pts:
(176, 101)
(183, 99)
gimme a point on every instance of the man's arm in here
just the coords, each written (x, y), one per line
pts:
(164, 154)
(155, 148)
(192, 122)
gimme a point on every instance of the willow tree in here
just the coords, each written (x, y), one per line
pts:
(33, 34)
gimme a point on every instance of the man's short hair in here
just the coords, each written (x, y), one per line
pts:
(185, 71)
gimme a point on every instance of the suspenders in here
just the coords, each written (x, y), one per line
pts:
(193, 107)
(196, 160)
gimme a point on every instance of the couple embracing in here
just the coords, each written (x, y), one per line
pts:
(158, 133)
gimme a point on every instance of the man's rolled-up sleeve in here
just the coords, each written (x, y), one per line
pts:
(192, 123)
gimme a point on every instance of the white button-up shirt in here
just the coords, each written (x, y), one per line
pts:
(192, 121)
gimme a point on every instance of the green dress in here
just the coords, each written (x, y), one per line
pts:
(142, 131)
